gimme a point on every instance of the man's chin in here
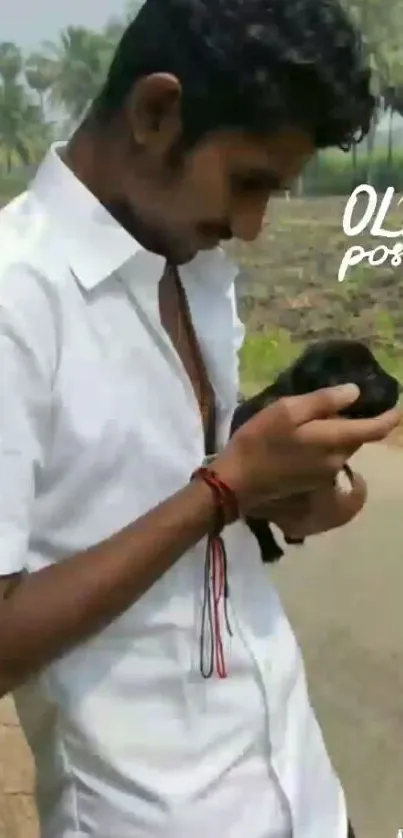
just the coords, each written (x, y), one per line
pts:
(184, 256)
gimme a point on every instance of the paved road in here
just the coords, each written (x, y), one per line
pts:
(345, 598)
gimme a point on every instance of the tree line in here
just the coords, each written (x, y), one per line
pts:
(62, 78)
(46, 92)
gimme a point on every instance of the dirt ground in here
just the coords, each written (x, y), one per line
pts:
(17, 811)
(345, 598)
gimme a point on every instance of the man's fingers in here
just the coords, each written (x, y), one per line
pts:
(299, 410)
(347, 505)
(358, 486)
(341, 434)
(321, 403)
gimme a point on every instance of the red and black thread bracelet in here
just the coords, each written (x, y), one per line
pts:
(227, 503)
(216, 587)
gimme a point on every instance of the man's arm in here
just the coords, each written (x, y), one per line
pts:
(45, 614)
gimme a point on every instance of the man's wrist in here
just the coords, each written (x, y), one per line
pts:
(225, 500)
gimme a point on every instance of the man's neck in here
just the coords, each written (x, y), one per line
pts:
(92, 158)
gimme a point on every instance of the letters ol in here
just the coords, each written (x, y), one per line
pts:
(376, 230)
(380, 254)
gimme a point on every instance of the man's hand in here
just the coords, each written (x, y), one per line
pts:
(320, 511)
(299, 445)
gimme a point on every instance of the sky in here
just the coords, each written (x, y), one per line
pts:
(49, 16)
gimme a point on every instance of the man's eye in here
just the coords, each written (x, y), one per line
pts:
(252, 184)
(250, 187)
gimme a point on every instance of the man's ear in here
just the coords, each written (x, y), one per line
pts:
(154, 112)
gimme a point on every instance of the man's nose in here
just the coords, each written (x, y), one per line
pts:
(247, 222)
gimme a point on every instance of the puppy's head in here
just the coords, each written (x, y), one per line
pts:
(332, 362)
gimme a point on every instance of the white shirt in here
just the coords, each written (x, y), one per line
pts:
(99, 424)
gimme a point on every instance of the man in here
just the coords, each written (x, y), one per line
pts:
(118, 360)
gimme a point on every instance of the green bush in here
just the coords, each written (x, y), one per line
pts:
(264, 356)
(334, 174)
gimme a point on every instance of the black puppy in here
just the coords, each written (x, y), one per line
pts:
(323, 364)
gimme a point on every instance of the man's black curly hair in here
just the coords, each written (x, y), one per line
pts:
(255, 65)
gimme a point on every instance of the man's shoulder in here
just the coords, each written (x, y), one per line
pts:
(13, 229)
(29, 305)
(28, 256)
(24, 227)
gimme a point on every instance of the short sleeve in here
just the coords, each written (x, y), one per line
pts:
(24, 412)
(238, 333)
(237, 340)
(238, 326)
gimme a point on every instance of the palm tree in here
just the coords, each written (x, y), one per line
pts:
(382, 25)
(40, 75)
(23, 135)
(79, 64)
(393, 104)
(10, 62)
(22, 131)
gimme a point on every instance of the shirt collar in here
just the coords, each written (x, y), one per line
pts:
(97, 245)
